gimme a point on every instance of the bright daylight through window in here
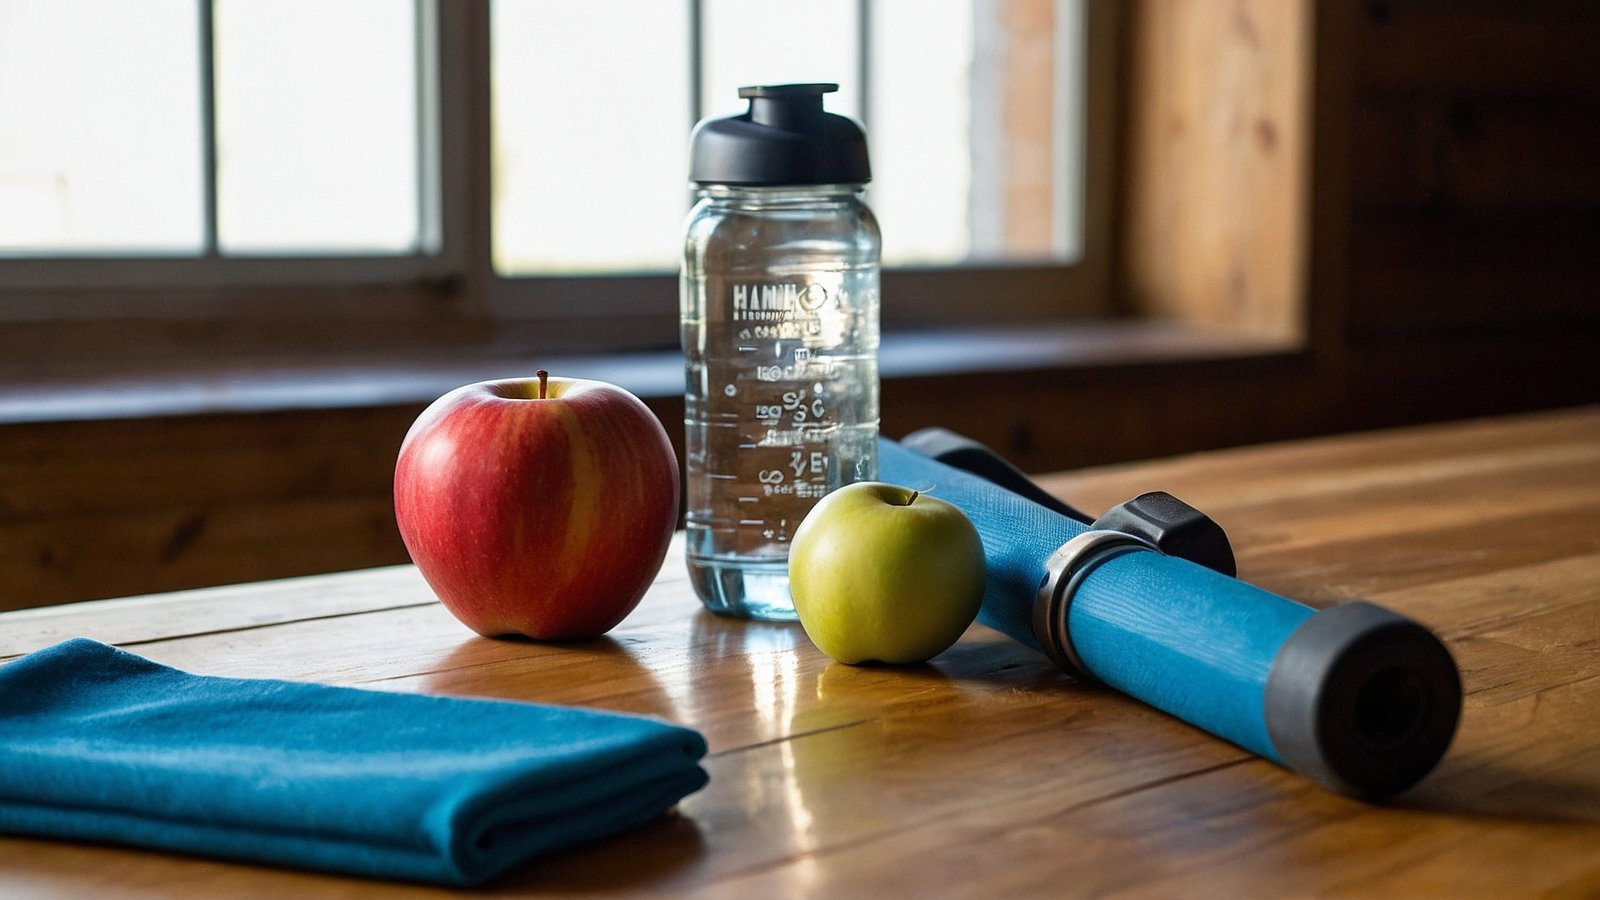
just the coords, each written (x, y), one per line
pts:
(179, 129)
(973, 110)
(313, 145)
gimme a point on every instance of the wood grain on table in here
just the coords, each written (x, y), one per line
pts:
(987, 772)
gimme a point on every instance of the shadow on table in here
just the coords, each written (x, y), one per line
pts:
(987, 657)
(648, 855)
(1495, 791)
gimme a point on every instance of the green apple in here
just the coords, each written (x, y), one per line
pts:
(883, 573)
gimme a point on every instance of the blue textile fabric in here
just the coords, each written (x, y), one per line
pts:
(98, 744)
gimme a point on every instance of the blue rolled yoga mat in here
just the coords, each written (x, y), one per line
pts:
(1361, 699)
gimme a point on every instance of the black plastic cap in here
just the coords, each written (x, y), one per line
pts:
(1363, 700)
(1175, 527)
(784, 138)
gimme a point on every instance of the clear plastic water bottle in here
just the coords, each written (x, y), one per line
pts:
(779, 314)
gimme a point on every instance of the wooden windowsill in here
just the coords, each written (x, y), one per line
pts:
(375, 381)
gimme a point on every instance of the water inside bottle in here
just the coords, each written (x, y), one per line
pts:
(781, 407)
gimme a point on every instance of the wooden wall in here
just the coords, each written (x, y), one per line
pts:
(1216, 156)
(95, 509)
(1444, 262)
(1474, 211)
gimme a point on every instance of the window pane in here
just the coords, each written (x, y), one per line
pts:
(976, 130)
(779, 42)
(591, 133)
(922, 146)
(974, 120)
(100, 147)
(317, 126)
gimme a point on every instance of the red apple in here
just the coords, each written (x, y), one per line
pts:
(537, 507)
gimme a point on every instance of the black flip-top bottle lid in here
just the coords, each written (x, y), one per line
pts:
(785, 137)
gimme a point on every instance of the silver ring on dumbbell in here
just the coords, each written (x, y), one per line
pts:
(1064, 571)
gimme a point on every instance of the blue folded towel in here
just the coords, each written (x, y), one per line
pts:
(98, 744)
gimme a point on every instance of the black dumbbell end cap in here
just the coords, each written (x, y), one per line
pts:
(1363, 700)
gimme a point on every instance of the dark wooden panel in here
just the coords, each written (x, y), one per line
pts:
(1050, 420)
(76, 468)
(1436, 271)
(96, 509)
(64, 558)
(1479, 46)
(1406, 379)
(1476, 154)
(1475, 144)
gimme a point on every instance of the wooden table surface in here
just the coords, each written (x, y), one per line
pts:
(987, 773)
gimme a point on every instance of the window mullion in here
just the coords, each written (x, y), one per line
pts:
(208, 129)
(696, 86)
(696, 59)
(864, 62)
(430, 227)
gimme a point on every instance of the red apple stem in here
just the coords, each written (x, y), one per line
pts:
(544, 382)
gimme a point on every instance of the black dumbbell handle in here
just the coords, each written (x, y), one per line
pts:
(961, 452)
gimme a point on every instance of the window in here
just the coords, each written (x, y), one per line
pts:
(972, 108)
(119, 173)
(319, 128)
(521, 163)
(171, 128)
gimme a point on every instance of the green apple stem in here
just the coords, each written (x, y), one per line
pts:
(544, 382)
(913, 498)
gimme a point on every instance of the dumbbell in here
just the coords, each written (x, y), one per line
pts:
(1359, 698)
